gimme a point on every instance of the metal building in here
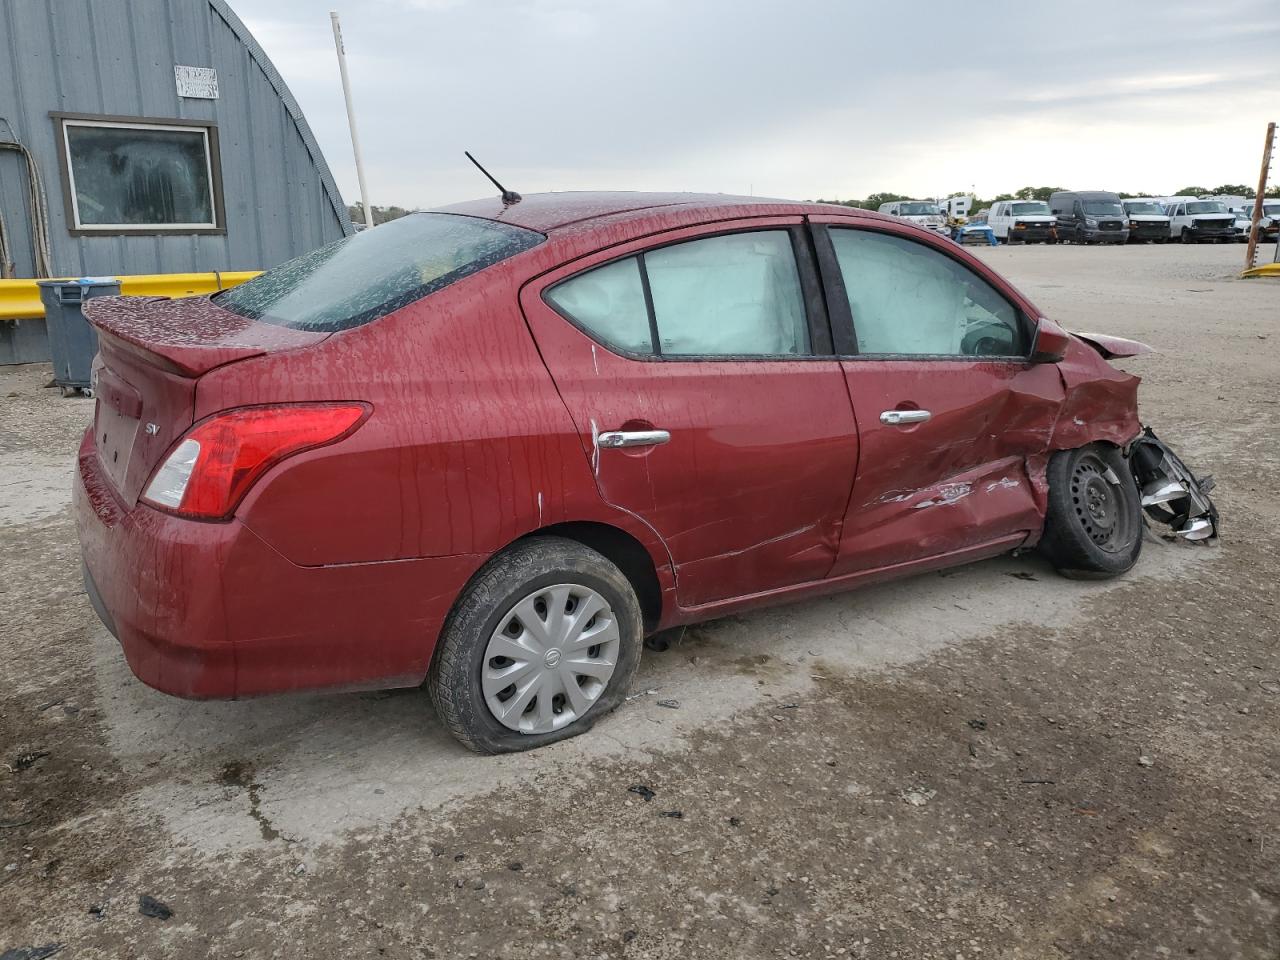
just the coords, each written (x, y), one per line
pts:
(150, 136)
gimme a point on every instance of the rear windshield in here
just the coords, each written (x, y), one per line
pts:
(367, 276)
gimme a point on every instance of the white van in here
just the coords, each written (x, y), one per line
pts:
(1192, 219)
(923, 213)
(1147, 219)
(1268, 226)
(1023, 221)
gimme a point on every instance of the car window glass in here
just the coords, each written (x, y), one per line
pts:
(608, 302)
(909, 299)
(353, 281)
(731, 295)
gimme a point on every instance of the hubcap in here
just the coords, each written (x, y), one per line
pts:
(1099, 504)
(550, 658)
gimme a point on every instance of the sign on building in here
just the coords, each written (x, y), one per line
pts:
(199, 82)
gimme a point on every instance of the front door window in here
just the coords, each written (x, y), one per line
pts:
(910, 300)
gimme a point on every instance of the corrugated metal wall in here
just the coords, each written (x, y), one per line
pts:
(116, 57)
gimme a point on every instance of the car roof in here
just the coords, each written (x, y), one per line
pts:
(553, 212)
(1086, 194)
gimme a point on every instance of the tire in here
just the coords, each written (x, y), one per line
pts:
(1186, 237)
(522, 577)
(1093, 527)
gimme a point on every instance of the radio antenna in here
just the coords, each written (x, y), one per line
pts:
(508, 196)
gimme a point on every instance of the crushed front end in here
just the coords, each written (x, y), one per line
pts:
(1171, 493)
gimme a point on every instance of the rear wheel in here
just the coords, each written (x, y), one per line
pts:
(1093, 527)
(541, 644)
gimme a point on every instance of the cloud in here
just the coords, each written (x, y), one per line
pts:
(798, 98)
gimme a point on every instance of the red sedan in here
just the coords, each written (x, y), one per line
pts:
(495, 446)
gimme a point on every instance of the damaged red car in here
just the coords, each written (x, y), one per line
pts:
(490, 449)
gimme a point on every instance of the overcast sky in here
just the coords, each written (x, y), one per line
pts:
(785, 98)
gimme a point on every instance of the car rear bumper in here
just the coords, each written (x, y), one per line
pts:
(209, 610)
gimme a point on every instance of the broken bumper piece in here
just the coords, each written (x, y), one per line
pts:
(1171, 493)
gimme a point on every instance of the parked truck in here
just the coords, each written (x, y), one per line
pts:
(923, 213)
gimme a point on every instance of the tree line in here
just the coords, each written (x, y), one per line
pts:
(380, 214)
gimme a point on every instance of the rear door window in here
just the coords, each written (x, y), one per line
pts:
(358, 279)
(732, 295)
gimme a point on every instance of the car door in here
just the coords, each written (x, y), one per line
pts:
(698, 369)
(949, 408)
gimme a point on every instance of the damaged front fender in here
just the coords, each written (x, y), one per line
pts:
(1113, 348)
(1099, 402)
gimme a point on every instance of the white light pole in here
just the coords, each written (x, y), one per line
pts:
(351, 117)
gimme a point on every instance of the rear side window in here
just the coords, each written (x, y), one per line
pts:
(908, 299)
(609, 302)
(361, 278)
(734, 295)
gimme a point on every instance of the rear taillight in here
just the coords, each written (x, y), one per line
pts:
(216, 462)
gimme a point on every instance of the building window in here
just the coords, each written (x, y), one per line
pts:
(123, 176)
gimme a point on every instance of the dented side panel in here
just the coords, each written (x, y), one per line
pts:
(976, 471)
(958, 479)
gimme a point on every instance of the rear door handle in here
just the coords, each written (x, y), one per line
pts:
(634, 438)
(897, 417)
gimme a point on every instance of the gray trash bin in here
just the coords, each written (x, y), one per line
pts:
(73, 343)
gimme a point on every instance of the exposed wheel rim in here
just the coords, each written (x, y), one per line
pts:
(1100, 506)
(550, 658)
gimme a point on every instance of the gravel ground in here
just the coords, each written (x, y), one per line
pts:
(991, 762)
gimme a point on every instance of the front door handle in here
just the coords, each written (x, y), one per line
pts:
(634, 438)
(896, 418)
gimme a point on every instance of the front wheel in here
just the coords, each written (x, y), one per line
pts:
(1093, 527)
(541, 644)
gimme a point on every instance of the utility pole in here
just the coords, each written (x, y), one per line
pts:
(1251, 252)
(351, 117)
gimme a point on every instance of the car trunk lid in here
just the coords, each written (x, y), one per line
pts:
(151, 353)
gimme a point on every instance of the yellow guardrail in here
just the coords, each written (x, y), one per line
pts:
(20, 299)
